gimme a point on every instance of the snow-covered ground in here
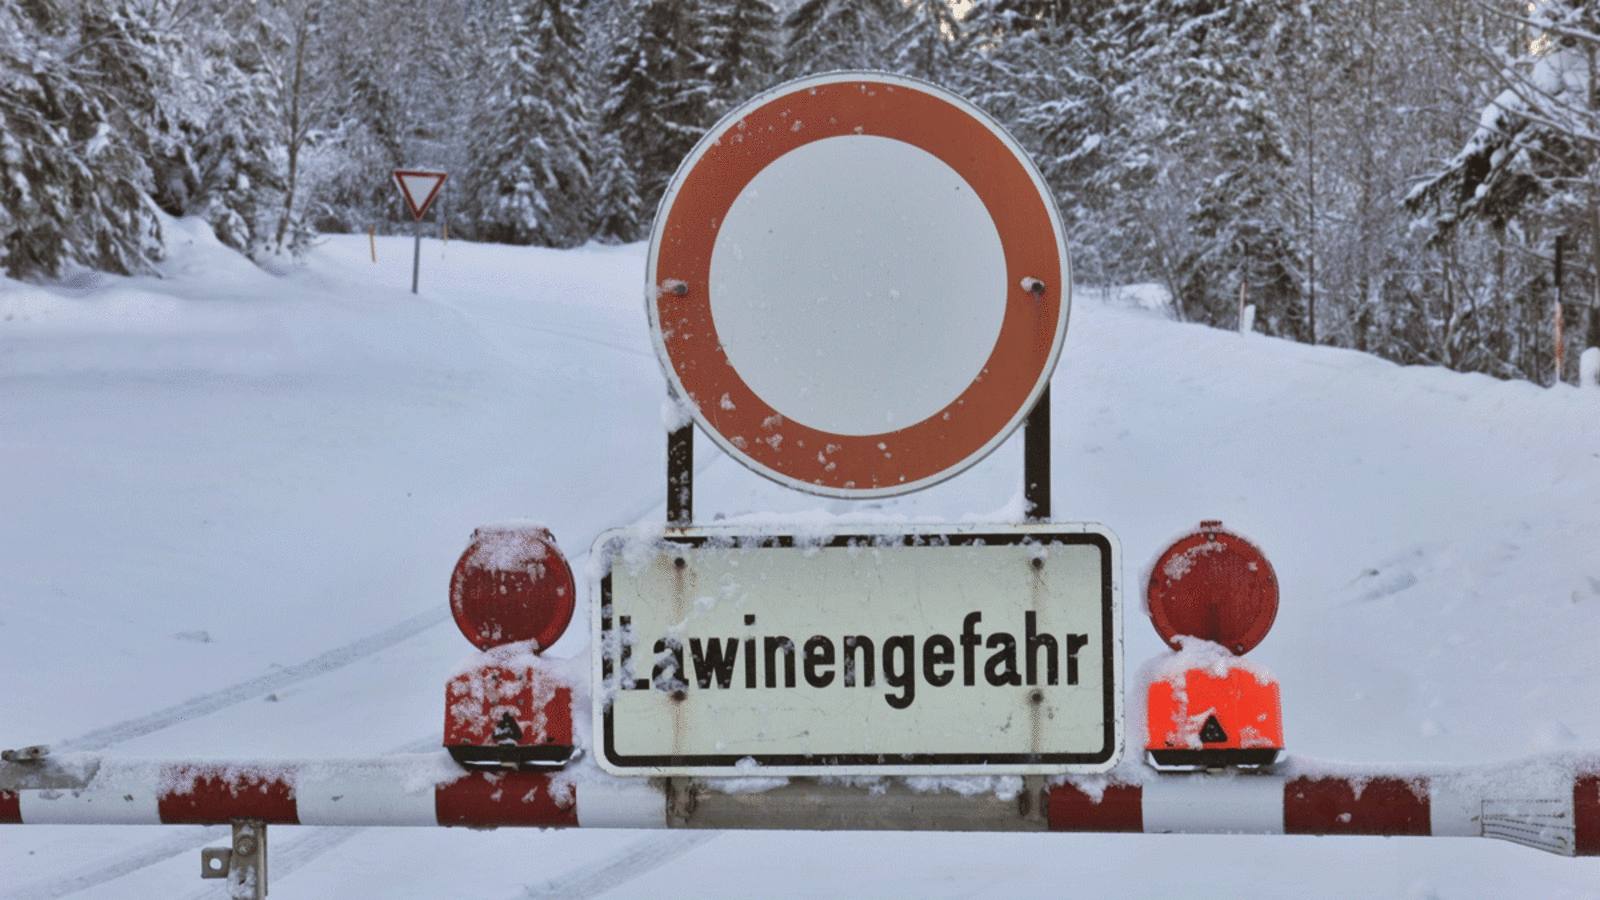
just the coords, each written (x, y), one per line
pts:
(230, 503)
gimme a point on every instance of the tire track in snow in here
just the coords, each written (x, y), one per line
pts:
(619, 868)
(205, 704)
(338, 658)
(302, 851)
(186, 840)
(285, 859)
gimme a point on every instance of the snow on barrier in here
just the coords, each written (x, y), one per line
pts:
(511, 754)
(1550, 803)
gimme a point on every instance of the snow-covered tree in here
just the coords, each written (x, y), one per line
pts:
(403, 97)
(617, 207)
(238, 153)
(530, 164)
(1533, 151)
(929, 43)
(1195, 81)
(306, 104)
(74, 185)
(1529, 174)
(741, 47)
(1366, 93)
(825, 35)
(660, 94)
(1039, 78)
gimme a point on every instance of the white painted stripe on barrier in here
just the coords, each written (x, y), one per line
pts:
(1214, 804)
(120, 793)
(1455, 808)
(1544, 822)
(621, 803)
(366, 792)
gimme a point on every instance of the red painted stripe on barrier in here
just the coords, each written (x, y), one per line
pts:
(488, 799)
(1586, 814)
(215, 794)
(1380, 805)
(10, 809)
(1120, 808)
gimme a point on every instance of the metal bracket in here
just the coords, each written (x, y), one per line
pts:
(680, 476)
(1035, 467)
(1034, 801)
(215, 861)
(34, 769)
(244, 864)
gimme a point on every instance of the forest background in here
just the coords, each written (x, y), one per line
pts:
(1419, 179)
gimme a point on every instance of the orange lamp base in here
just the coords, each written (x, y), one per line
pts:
(1199, 720)
(508, 716)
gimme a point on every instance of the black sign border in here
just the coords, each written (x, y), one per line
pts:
(976, 763)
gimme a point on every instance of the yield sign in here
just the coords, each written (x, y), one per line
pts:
(419, 188)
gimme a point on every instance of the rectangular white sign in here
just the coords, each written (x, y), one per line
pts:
(928, 650)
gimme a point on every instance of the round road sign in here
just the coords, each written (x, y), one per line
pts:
(859, 284)
(1216, 586)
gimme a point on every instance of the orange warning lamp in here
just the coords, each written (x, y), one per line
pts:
(1212, 596)
(513, 596)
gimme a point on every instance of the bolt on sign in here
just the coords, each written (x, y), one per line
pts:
(858, 284)
(936, 650)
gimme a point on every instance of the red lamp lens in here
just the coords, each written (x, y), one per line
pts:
(512, 584)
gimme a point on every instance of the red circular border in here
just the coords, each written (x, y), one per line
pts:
(685, 236)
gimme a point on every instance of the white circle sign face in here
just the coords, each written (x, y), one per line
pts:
(857, 311)
(859, 283)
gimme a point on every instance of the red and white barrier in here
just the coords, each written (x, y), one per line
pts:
(1550, 803)
(1558, 814)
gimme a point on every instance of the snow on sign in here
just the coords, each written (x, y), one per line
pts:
(935, 650)
(419, 188)
(858, 283)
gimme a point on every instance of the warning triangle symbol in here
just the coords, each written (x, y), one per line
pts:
(507, 731)
(1212, 733)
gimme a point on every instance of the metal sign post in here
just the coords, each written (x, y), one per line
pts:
(814, 319)
(419, 188)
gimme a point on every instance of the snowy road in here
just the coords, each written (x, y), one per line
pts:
(233, 502)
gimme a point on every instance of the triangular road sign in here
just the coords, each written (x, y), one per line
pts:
(507, 731)
(419, 188)
(1212, 732)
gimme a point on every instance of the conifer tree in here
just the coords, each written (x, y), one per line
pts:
(661, 96)
(929, 44)
(73, 184)
(617, 207)
(238, 156)
(1198, 124)
(741, 47)
(530, 166)
(825, 35)
(1034, 68)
